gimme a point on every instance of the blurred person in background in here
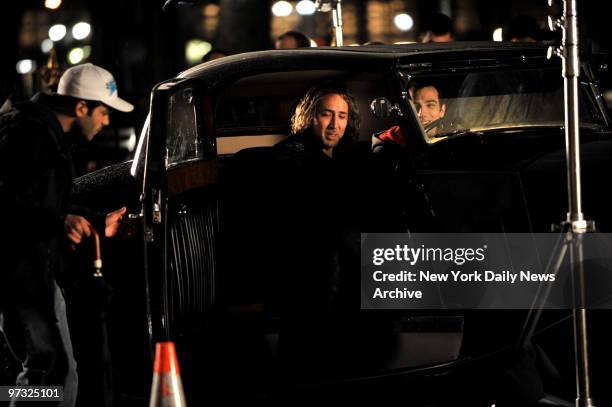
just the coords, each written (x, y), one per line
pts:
(522, 28)
(213, 54)
(438, 28)
(292, 40)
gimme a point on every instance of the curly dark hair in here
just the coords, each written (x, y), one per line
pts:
(307, 109)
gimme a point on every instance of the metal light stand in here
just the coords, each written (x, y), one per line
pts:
(575, 224)
(335, 7)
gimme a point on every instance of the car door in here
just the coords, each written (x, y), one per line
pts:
(179, 219)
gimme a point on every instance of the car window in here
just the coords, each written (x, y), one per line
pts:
(260, 111)
(186, 137)
(446, 104)
(256, 111)
(247, 120)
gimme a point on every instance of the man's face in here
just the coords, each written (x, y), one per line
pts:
(441, 38)
(287, 43)
(91, 124)
(330, 121)
(427, 104)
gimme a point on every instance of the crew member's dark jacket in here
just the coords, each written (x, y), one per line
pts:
(36, 176)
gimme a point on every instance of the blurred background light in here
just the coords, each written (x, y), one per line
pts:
(305, 8)
(282, 8)
(403, 21)
(76, 55)
(46, 45)
(53, 4)
(195, 50)
(81, 30)
(57, 32)
(25, 66)
(498, 34)
(128, 138)
(86, 51)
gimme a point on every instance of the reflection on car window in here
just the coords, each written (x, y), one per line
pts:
(184, 136)
(488, 100)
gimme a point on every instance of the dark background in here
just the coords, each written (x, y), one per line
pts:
(143, 45)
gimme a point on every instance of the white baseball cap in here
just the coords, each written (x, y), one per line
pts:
(90, 82)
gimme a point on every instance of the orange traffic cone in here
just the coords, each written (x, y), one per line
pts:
(167, 388)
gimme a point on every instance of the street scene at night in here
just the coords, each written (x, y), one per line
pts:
(379, 202)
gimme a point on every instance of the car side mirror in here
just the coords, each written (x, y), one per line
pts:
(382, 108)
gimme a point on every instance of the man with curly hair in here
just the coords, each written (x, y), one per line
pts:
(313, 185)
(325, 118)
(313, 189)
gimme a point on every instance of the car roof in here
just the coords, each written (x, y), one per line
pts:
(434, 47)
(275, 59)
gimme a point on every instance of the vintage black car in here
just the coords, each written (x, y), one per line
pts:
(196, 268)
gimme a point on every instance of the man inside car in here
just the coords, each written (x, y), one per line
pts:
(321, 212)
(301, 188)
(326, 117)
(313, 204)
(430, 111)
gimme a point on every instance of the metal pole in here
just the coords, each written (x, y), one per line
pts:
(572, 142)
(335, 7)
(575, 217)
(571, 72)
(337, 19)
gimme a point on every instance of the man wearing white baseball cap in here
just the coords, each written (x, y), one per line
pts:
(36, 175)
(91, 82)
(85, 84)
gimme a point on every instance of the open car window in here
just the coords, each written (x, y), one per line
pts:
(479, 101)
(256, 111)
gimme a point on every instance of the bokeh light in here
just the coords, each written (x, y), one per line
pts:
(76, 55)
(53, 4)
(195, 50)
(81, 30)
(25, 66)
(403, 21)
(282, 8)
(57, 32)
(46, 45)
(498, 35)
(305, 8)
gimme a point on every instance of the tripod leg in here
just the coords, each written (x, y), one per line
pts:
(535, 312)
(583, 386)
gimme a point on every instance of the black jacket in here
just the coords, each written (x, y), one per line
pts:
(36, 176)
